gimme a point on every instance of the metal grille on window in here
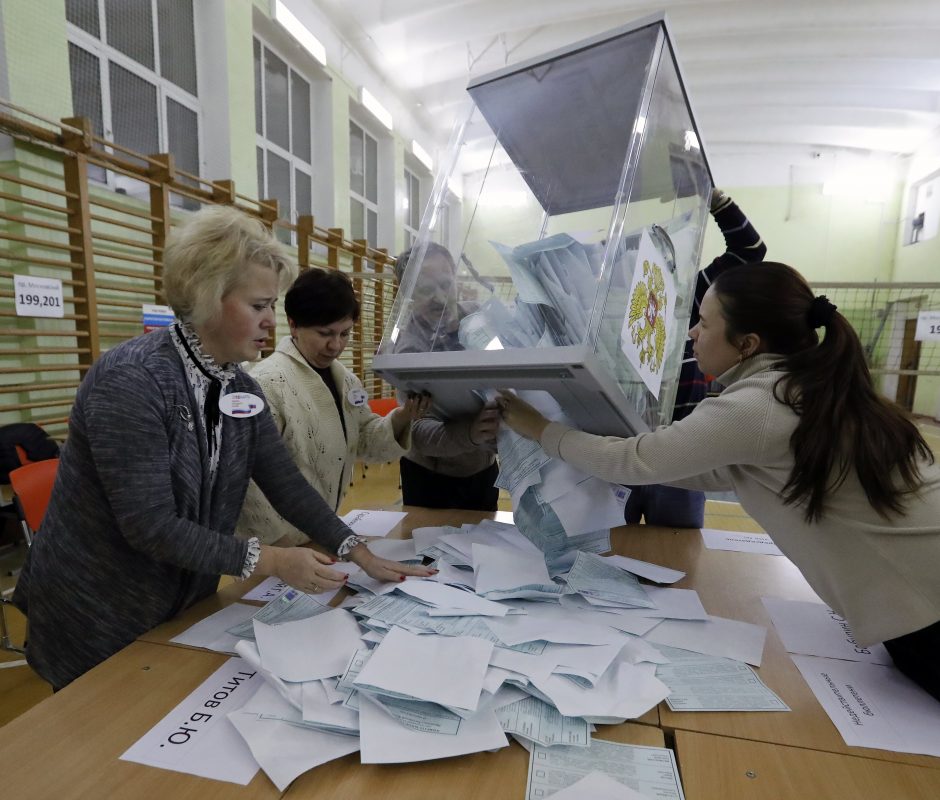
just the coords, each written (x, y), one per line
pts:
(133, 111)
(259, 115)
(277, 128)
(84, 14)
(356, 159)
(85, 78)
(182, 127)
(356, 220)
(130, 29)
(372, 172)
(300, 116)
(279, 188)
(302, 190)
(177, 43)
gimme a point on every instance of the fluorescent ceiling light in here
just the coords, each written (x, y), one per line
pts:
(300, 32)
(422, 155)
(380, 112)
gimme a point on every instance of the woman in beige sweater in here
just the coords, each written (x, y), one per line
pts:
(839, 477)
(319, 406)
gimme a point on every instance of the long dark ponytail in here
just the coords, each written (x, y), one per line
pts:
(844, 423)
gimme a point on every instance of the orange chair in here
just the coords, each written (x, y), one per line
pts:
(32, 488)
(383, 406)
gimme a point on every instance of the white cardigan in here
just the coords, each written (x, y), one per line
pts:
(306, 416)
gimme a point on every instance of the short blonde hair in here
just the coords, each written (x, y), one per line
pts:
(206, 256)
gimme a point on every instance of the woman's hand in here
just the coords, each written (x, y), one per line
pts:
(301, 567)
(520, 416)
(415, 407)
(485, 426)
(384, 570)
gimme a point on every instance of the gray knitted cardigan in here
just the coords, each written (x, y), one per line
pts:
(134, 534)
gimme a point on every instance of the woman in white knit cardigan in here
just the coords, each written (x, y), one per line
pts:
(841, 478)
(320, 407)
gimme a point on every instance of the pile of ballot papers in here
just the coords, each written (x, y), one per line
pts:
(495, 643)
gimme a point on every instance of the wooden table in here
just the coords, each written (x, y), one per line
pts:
(718, 767)
(70, 744)
(103, 713)
(731, 585)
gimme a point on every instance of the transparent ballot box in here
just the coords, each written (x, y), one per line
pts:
(569, 265)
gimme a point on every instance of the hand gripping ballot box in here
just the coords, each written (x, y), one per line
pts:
(570, 264)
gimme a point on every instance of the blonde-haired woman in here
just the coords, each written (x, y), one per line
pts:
(165, 433)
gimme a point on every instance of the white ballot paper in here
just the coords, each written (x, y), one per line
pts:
(814, 629)
(740, 542)
(309, 649)
(643, 569)
(624, 691)
(273, 587)
(270, 588)
(541, 723)
(283, 746)
(715, 636)
(707, 683)
(874, 705)
(384, 741)
(595, 578)
(289, 607)
(212, 632)
(440, 669)
(196, 738)
(651, 771)
(373, 523)
(499, 569)
(394, 549)
(598, 786)
(442, 596)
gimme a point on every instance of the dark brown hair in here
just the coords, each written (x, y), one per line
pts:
(321, 297)
(844, 423)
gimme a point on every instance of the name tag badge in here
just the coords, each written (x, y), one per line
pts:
(357, 397)
(241, 404)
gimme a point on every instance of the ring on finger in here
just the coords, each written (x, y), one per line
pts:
(316, 588)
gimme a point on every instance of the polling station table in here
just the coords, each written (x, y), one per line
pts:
(99, 716)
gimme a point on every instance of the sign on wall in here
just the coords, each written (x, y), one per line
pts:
(156, 317)
(38, 297)
(928, 327)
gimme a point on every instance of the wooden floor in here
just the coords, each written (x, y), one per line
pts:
(21, 688)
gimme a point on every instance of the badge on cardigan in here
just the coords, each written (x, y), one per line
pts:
(357, 397)
(241, 404)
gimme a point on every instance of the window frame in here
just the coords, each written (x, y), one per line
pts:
(166, 89)
(367, 205)
(267, 146)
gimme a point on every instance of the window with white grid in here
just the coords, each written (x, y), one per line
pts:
(283, 134)
(924, 222)
(412, 207)
(363, 185)
(132, 65)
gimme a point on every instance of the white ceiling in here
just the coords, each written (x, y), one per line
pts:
(765, 74)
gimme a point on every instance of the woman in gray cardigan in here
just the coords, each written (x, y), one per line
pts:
(164, 435)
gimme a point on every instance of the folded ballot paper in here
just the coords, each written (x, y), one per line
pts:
(560, 509)
(501, 641)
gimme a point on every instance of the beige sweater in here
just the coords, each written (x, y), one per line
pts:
(882, 575)
(306, 416)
